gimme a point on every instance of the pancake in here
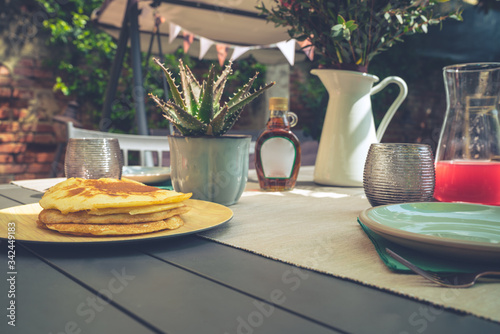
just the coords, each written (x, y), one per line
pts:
(135, 210)
(76, 194)
(107, 207)
(51, 216)
(115, 229)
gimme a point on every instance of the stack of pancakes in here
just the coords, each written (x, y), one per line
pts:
(107, 207)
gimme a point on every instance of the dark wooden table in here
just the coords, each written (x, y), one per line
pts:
(193, 285)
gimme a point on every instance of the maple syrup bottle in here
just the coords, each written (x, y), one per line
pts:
(277, 150)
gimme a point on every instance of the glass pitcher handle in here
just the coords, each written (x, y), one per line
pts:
(292, 118)
(403, 91)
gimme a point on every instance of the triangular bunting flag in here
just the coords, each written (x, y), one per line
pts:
(221, 53)
(288, 50)
(286, 47)
(307, 47)
(174, 31)
(205, 44)
(238, 51)
(188, 40)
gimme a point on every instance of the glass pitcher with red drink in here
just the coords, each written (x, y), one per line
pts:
(468, 153)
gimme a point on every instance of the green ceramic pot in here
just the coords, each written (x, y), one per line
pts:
(214, 169)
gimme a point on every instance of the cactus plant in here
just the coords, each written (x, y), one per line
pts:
(198, 111)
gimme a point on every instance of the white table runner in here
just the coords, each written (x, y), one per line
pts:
(316, 227)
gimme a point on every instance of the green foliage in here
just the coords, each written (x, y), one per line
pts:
(198, 110)
(83, 56)
(349, 33)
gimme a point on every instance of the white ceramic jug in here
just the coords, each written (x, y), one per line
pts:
(349, 127)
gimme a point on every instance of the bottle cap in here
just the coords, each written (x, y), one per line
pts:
(278, 103)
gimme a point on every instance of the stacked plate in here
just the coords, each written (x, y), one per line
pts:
(147, 175)
(399, 173)
(455, 230)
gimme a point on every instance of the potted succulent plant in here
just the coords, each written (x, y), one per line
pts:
(347, 34)
(204, 159)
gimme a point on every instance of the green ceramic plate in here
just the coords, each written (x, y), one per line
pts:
(451, 229)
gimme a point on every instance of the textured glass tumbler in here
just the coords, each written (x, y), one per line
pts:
(399, 173)
(93, 158)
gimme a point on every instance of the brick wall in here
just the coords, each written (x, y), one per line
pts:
(29, 137)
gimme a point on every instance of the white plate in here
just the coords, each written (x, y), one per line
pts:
(469, 231)
(146, 174)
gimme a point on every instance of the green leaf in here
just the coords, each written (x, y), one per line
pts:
(173, 88)
(351, 25)
(206, 111)
(60, 86)
(234, 110)
(220, 84)
(242, 91)
(189, 101)
(194, 84)
(337, 32)
(400, 18)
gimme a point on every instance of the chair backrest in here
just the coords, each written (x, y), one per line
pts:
(143, 144)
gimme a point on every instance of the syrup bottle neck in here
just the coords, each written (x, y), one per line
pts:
(282, 119)
(278, 120)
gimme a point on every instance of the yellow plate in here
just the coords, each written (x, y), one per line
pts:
(202, 216)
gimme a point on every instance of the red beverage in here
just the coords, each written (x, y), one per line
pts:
(468, 181)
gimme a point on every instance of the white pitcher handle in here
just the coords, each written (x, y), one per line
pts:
(403, 91)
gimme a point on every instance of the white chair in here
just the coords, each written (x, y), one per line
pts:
(140, 143)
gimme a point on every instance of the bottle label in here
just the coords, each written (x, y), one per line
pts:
(278, 155)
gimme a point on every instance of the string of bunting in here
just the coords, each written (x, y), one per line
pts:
(286, 47)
